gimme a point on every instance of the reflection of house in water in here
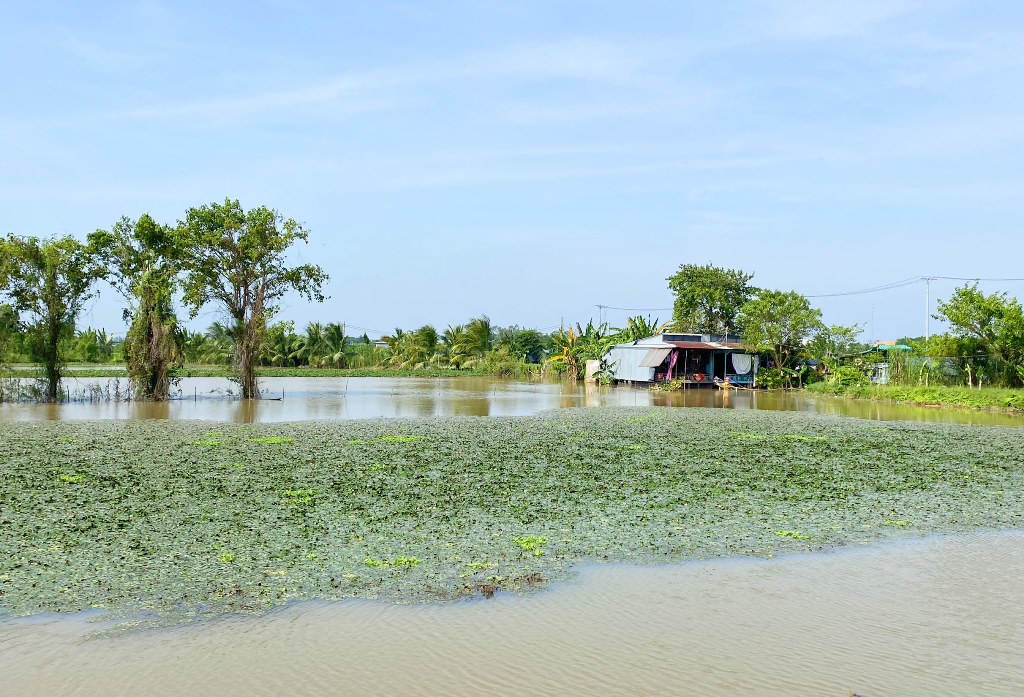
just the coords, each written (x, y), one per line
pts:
(697, 359)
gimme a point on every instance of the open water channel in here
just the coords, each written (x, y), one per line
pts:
(303, 399)
(932, 616)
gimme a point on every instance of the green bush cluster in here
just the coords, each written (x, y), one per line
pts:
(984, 398)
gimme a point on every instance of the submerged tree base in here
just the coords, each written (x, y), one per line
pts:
(181, 520)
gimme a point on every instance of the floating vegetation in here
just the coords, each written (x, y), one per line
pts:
(534, 544)
(177, 521)
(399, 439)
(897, 523)
(792, 534)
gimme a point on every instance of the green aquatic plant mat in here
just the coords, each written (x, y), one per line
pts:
(175, 521)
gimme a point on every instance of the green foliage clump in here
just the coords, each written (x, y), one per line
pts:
(936, 395)
(845, 376)
(533, 544)
(708, 298)
(46, 284)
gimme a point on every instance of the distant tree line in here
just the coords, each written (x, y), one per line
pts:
(223, 257)
(233, 261)
(984, 344)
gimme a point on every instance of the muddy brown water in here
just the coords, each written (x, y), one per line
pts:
(300, 399)
(934, 616)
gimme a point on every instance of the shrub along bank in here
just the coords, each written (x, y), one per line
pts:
(974, 398)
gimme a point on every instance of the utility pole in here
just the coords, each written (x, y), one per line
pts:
(927, 306)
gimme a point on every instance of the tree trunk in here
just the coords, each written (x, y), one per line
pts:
(246, 351)
(52, 381)
(51, 361)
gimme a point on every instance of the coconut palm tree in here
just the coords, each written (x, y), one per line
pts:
(282, 347)
(334, 343)
(479, 335)
(312, 346)
(219, 346)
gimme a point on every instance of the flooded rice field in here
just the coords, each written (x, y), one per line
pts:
(935, 616)
(302, 399)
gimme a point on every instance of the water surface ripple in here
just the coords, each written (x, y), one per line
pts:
(934, 616)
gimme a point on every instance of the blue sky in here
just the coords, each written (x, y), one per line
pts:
(531, 160)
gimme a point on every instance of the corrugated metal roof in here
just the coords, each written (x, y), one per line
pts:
(655, 357)
(705, 345)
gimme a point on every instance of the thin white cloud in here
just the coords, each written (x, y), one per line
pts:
(819, 20)
(580, 60)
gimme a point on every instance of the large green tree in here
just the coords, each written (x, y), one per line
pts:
(237, 260)
(778, 324)
(142, 259)
(832, 342)
(994, 321)
(708, 298)
(47, 282)
(527, 345)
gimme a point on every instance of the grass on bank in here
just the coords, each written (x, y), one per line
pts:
(973, 398)
(186, 520)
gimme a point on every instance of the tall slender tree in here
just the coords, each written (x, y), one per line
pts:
(141, 260)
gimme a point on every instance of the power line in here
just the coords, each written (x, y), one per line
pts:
(365, 329)
(636, 309)
(876, 289)
(958, 278)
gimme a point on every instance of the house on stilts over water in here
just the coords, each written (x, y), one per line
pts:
(696, 359)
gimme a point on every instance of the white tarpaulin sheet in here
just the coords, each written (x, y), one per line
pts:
(655, 357)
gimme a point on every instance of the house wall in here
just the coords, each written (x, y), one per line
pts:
(626, 361)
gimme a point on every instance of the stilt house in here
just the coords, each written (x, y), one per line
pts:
(697, 359)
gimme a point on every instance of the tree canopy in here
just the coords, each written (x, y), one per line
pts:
(989, 324)
(141, 258)
(47, 283)
(778, 324)
(708, 298)
(237, 260)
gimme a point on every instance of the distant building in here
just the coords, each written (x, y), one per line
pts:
(878, 370)
(696, 359)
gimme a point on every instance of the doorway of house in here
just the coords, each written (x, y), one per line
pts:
(719, 360)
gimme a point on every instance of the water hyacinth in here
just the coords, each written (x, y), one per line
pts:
(175, 521)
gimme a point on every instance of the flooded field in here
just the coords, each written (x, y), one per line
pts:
(301, 399)
(407, 556)
(937, 616)
(187, 520)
